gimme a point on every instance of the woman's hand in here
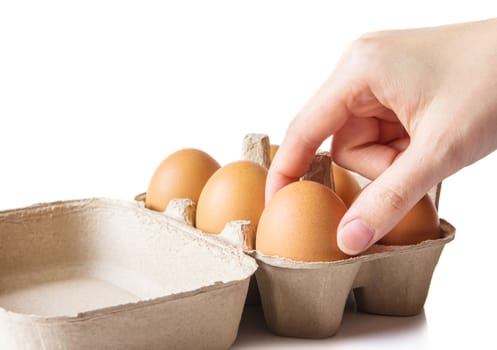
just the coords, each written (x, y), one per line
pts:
(406, 109)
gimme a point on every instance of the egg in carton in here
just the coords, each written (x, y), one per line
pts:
(107, 274)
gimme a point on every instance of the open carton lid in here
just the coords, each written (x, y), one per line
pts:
(102, 273)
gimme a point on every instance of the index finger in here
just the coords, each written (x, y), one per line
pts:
(322, 116)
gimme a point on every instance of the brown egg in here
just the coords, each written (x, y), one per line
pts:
(300, 223)
(346, 185)
(420, 223)
(272, 151)
(181, 175)
(234, 192)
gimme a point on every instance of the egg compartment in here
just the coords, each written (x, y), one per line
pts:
(108, 274)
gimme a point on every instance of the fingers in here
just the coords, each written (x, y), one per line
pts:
(369, 145)
(383, 203)
(325, 113)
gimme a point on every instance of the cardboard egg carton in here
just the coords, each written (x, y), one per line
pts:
(108, 274)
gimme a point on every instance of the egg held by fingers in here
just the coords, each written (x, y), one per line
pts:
(300, 223)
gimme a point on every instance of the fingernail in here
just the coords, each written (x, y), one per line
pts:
(355, 237)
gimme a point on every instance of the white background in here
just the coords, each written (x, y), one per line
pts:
(94, 94)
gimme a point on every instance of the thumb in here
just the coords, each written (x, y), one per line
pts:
(385, 201)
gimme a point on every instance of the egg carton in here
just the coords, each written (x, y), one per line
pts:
(108, 274)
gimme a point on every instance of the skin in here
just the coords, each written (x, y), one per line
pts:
(406, 108)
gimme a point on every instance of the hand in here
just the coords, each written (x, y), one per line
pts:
(406, 109)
